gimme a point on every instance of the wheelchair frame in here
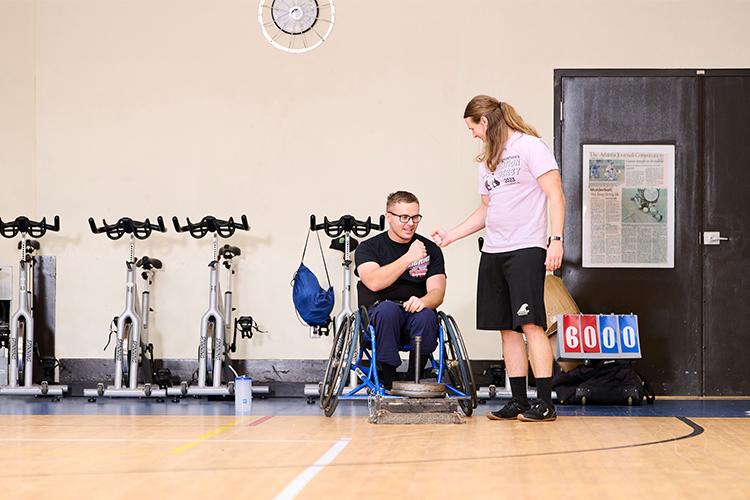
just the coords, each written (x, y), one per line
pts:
(356, 324)
(453, 366)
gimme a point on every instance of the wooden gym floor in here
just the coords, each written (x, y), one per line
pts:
(138, 449)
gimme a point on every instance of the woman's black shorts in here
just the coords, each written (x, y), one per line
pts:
(510, 289)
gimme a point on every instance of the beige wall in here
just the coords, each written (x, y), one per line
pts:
(158, 107)
(17, 119)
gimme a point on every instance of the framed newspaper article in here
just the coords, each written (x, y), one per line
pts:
(628, 205)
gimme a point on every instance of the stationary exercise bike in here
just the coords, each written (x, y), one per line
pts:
(342, 240)
(341, 233)
(215, 374)
(21, 337)
(134, 355)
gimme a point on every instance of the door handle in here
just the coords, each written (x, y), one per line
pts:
(713, 238)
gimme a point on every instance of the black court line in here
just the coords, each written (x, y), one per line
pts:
(697, 430)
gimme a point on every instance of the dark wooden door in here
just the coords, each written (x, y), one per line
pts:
(726, 266)
(693, 318)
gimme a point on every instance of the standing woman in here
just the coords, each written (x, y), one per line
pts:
(518, 175)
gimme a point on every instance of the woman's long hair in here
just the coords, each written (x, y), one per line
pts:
(500, 117)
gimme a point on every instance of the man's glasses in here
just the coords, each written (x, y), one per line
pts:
(403, 219)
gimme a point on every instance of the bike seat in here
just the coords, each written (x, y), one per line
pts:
(338, 244)
(30, 244)
(147, 263)
(229, 252)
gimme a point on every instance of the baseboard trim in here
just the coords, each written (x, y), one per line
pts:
(263, 371)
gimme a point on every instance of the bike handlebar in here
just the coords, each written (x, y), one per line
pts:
(347, 223)
(210, 224)
(140, 230)
(25, 225)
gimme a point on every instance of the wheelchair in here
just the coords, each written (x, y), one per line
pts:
(646, 199)
(353, 352)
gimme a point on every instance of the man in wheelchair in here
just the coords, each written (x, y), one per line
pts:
(401, 266)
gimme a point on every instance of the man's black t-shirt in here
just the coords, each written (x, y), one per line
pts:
(413, 282)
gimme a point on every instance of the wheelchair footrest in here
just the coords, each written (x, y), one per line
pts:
(414, 411)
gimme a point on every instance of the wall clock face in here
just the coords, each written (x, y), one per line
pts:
(296, 25)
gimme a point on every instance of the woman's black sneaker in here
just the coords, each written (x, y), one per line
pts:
(540, 412)
(510, 411)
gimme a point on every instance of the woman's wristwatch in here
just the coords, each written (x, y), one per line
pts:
(559, 238)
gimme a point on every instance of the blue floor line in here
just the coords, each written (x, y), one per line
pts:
(26, 405)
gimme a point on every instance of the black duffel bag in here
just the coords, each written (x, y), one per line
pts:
(600, 382)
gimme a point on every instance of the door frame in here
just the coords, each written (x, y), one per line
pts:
(558, 108)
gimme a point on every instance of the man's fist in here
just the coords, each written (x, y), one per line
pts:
(416, 252)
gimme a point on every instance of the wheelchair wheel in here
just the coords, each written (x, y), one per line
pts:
(337, 371)
(330, 373)
(350, 347)
(457, 364)
(467, 361)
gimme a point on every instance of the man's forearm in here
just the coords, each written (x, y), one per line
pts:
(384, 276)
(433, 299)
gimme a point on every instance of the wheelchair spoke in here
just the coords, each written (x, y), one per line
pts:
(335, 361)
(457, 364)
(345, 363)
(330, 373)
(465, 356)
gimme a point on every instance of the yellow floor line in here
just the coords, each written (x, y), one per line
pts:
(209, 435)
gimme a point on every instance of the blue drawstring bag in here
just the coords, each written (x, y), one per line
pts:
(312, 303)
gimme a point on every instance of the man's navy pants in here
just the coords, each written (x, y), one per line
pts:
(393, 326)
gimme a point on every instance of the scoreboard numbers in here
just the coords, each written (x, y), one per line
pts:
(589, 336)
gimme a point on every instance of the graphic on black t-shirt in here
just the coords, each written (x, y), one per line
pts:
(418, 269)
(412, 283)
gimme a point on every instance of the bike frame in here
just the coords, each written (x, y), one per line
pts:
(346, 292)
(135, 315)
(214, 348)
(25, 314)
(139, 325)
(221, 316)
(345, 225)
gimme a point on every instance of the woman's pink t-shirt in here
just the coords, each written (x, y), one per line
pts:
(517, 214)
